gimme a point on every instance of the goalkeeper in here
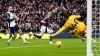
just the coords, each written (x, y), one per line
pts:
(72, 22)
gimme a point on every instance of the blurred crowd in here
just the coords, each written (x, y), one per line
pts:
(96, 17)
(31, 12)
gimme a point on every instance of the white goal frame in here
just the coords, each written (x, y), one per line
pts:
(89, 28)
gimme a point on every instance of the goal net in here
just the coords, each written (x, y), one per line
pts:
(96, 27)
(93, 27)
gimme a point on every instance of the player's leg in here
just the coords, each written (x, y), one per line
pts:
(73, 33)
(49, 32)
(85, 36)
(21, 34)
(10, 39)
(76, 33)
(37, 36)
(42, 31)
(12, 31)
(22, 37)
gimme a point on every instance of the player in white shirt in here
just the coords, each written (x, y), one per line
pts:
(11, 18)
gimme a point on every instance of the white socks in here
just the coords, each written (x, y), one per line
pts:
(51, 42)
(10, 39)
(23, 38)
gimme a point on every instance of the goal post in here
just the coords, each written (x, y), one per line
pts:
(89, 27)
(93, 27)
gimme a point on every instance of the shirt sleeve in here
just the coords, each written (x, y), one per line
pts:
(61, 30)
(77, 16)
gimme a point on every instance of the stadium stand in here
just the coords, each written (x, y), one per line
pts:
(30, 12)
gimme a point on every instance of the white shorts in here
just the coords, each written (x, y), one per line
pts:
(43, 29)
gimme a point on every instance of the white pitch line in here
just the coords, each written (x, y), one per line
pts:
(22, 47)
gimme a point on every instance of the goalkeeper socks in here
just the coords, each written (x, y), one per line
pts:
(85, 36)
(93, 41)
(39, 37)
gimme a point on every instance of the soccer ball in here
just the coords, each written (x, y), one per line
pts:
(58, 44)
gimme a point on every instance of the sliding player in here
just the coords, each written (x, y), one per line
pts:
(13, 26)
(72, 22)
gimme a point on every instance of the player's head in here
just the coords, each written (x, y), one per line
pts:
(49, 13)
(67, 14)
(83, 15)
(10, 8)
(81, 18)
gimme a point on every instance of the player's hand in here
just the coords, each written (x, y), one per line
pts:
(13, 17)
(16, 17)
(53, 35)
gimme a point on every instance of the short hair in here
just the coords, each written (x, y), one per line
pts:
(9, 7)
(67, 14)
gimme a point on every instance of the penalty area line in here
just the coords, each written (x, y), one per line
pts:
(22, 47)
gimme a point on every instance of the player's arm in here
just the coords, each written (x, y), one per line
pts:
(60, 31)
(77, 16)
(8, 18)
(44, 20)
(15, 16)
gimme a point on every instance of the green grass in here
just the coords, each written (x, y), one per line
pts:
(96, 51)
(70, 47)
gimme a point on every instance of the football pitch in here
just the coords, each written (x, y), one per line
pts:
(38, 47)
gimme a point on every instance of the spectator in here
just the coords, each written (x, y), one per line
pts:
(30, 12)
